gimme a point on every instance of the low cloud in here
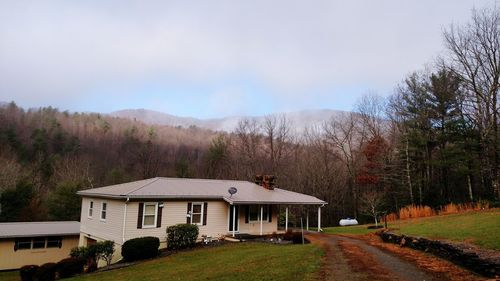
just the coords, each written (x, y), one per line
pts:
(56, 52)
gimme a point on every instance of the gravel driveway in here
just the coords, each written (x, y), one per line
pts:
(353, 259)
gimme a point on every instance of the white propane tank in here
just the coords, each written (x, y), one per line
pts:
(348, 221)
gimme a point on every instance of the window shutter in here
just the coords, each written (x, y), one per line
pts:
(139, 215)
(205, 213)
(270, 212)
(247, 214)
(158, 215)
(188, 218)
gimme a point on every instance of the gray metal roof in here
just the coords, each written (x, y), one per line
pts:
(177, 188)
(46, 228)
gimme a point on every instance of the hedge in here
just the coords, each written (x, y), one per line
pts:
(140, 248)
(46, 272)
(181, 236)
(70, 266)
(28, 272)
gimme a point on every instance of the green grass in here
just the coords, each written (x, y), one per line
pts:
(353, 229)
(9, 276)
(243, 261)
(479, 228)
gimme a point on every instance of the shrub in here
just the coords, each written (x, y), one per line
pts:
(181, 236)
(288, 236)
(46, 272)
(295, 237)
(105, 250)
(79, 252)
(28, 272)
(140, 248)
(70, 266)
(93, 253)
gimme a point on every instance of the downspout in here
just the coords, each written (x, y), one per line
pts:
(124, 220)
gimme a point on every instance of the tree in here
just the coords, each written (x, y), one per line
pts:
(15, 203)
(218, 157)
(474, 56)
(371, 203)
(63, 203)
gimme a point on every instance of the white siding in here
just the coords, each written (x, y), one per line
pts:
(174, 212)
(94, 227)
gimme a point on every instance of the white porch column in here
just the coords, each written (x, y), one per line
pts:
(319, 218)
(286, 219)
(234, 220)
(307, 220)
(261, 215)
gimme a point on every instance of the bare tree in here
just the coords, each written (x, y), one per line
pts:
(371, 108)
(371, 202)
(278, 139)
(247, 144)
(474, 55)
(345, 138)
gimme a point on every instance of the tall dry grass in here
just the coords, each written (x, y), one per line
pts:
(418, 211)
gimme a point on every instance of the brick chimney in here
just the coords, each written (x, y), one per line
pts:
(266, 181)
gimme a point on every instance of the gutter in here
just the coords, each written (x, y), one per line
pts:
(124, 220)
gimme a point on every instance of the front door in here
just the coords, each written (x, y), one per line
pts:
(233, 212)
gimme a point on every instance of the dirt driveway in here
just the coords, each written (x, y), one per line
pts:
(367, 258)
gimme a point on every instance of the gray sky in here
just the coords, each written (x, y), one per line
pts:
(216, 58)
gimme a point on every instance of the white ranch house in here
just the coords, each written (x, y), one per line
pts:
(147, 207)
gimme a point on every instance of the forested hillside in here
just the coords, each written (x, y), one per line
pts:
(434, 141)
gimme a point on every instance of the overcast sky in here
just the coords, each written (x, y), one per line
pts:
(216, 58)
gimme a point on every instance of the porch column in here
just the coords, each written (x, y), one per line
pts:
(307, 220)
(319, 218)
(261, 215)
(234, 220)
(286, 219)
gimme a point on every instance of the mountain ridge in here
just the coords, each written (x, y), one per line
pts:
(299, 119)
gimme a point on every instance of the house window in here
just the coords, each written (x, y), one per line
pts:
(197, 213)
(23, 244)
(254, 213)
(38, 243)
(149, 215)
(104, 207)
(54, 242)
(91, 208)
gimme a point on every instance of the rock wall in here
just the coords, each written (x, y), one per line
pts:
(458, 254)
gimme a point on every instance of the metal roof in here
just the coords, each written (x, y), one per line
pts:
(180, 188)
(45, 228)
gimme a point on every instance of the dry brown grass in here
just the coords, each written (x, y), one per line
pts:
(418, 211)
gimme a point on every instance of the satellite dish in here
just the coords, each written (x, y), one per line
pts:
(232, 190)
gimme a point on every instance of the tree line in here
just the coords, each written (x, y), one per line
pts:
(434, 141)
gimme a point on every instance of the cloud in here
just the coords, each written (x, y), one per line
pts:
(59, 51)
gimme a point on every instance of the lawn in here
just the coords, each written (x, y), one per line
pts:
(9, 276)
(479, 228)
(242, 261)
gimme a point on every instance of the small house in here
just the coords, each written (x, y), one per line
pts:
(26, 243)
(219, 207)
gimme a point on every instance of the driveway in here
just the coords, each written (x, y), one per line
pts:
(347, 258)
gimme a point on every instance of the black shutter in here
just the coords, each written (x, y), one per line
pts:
(188, 218)
(205, 204)
(270, 212)
(247, 214)
(139, 215)
(158, 216)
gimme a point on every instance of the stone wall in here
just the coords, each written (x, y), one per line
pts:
(458, 254)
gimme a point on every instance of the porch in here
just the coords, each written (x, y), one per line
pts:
(263, 219)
